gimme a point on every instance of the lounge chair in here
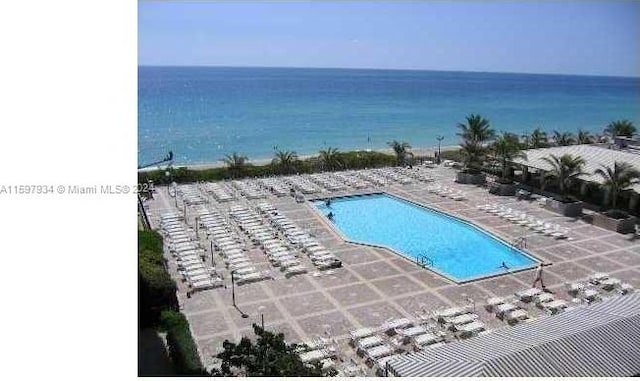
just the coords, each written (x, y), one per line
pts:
(598, 277)
(295, 270)
(610, 283)
(317, 355)
(377, 352)
(368, 342)
(555, 306)
(493, 302)
(528, 294)
(252, 277)
(392, 325)
(516, 315)
(469, 329)
(361, 333)
(426, 339)
(502, 309)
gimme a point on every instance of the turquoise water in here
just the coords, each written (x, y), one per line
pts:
(204, 113)
(456, 249)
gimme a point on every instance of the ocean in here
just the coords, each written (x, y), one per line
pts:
(205, 113)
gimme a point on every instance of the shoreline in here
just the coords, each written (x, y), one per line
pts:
(420, 151)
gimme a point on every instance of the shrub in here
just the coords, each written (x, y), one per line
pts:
(182, 348)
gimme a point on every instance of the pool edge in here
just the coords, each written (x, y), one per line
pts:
(446, 276)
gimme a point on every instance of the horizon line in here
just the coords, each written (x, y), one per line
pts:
(390, 69)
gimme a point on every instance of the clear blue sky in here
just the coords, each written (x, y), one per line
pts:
(569, 37)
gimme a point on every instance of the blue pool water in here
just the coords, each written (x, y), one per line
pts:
(457, 249)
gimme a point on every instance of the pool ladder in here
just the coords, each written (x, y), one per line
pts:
(423, 261)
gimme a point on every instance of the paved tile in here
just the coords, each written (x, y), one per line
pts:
(623, 241)
(373, 315)
(568, 271)
(568, 251)
(625, 257)
(290, 335)
(600, 264)
(340, 277)
(595, 246)
(424, 303)
(354, 294)
(529, 276)
(199, 301)
(398, 285)
(591, 231)
(211, 346)
(270, 311)
(306, 304)
(546, 254)
(293, 285)
(406, 265)
(357, 255)
(374, 270)
(247, 293)
(628, 276)
(431, 279)
(457, 294)
(335, 323)
(502, 285)
(207, 323)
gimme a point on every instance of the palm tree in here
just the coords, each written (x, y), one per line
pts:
(617, 179)
(236, 163)
(285, 161)
(584, 137)
(620, 128)
(476, 130)
(474, 133)
(400, 149)
(330, 158)
(507, 147)
(565, 169)
(538, 139)
(564, 138)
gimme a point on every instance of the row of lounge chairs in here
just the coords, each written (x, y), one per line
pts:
(302, 184)
(190, 195)
(442, 191)
(185, 248)
(249, 189)
(219, 192)
(351, 179)
(586, 291)
(525, 220)
(394, 174)
(275, 186)
(420, 175)
(319, 349)
(328, 181)
(320, 257)
(460, 320)
(231, 248)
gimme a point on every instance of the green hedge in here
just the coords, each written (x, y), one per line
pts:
(156, 289)
(350, 160)
(182, 348)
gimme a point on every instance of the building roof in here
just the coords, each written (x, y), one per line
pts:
(598, 340)
(594, 156)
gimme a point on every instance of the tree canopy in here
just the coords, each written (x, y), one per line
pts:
(620, 128)
(565, 169)
(269, 356)
(617, 179)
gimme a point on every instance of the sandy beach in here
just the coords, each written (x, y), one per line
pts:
(418, 151)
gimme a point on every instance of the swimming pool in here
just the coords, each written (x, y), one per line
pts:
(456, 249)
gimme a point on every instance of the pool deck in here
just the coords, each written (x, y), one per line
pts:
(375, 284)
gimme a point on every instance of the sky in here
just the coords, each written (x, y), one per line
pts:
(560, 37)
